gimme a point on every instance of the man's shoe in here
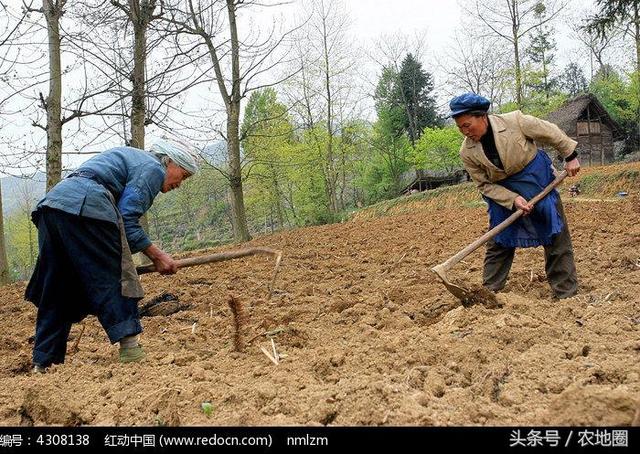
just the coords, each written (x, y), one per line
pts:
(38, 369)
(131, 354)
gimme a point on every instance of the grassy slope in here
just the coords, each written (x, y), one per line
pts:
(601, 182)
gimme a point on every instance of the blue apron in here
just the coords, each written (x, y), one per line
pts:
(539, 227)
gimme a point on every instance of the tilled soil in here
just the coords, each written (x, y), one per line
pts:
(366, 333)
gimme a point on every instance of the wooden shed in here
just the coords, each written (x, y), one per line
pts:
(586, 120)
(418, 180)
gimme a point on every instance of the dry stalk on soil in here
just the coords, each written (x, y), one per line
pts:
(239, 321)
(75, 348)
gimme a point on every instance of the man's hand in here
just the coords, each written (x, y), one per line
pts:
(164, 263)
(572, 167)
(521, 204)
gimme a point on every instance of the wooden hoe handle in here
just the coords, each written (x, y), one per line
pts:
(500, 227)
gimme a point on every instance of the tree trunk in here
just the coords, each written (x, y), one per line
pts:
(239, 218)
(4, 264)
(636, 17)
(140, 14)
(278, 196)
(518, 78)
(240, 229)
(138, 108)
(545, 75)
(31, 239)
(53, 103)
(331, 178)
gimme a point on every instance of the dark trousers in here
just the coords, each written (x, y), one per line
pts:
(559, 263)
(77, 273)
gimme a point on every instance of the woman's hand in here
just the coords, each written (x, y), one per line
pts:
(572, 167)
(521, 204)
(164, 263)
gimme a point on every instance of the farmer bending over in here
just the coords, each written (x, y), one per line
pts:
(502, 159)
(88, 226)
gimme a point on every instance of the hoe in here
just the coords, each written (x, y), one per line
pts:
(222, 256)
(467, 296)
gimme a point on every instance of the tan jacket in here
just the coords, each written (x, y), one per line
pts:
(515, 134)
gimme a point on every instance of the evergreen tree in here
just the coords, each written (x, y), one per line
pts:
(416, 86)
(573, 81)
(541, 52)
(612, 13)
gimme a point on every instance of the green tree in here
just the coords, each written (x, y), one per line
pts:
(388, 102)
(308, 180)
(438, 149)
(196, 216)
(539, 104)
(624, 14)
(5, 278)
(21, 245)
(620, 97)
(267, 134)
(387, 158)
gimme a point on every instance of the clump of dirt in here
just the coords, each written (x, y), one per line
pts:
(478, 294)
(163, 304)
(44, 405)
(365, 333)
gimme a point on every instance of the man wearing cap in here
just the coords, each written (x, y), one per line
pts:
(88, 227)
(501, 156)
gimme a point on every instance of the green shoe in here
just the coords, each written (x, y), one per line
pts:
(131, 354)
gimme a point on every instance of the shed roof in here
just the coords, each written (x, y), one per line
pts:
(572, 110)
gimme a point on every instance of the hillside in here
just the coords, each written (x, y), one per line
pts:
(21, 191)
(370, 336)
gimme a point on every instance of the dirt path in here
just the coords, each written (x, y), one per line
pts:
(370, 336)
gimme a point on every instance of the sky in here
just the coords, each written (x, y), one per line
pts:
(372, 18)
(437, 20)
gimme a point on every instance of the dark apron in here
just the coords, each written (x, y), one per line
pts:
(129, 279)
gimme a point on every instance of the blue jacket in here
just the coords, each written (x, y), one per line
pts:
(134, 177)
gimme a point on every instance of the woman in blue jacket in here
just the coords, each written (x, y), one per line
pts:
(88, 227)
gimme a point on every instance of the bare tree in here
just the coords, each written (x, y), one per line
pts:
(476, 65)
(26, 202)
(324, 91)
(239, 61)
(52, 105)
(52, 11)
(8, 61)
(390, 49)
(596, 45)
(130, 51)
(140, 13)
(101, 78)
(512, 21)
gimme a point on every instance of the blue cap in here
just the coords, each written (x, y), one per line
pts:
(468, 102)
